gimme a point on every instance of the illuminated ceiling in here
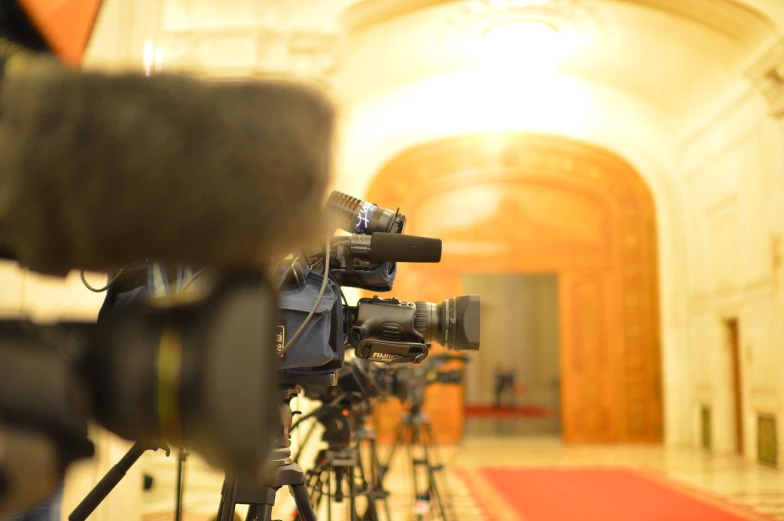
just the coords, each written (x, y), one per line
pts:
(672, 54)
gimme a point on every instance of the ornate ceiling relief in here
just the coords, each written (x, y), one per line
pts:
(270, 40)
(254, 52)
(563, 15)
(473, 23)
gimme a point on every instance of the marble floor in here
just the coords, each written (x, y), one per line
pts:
(740, 482)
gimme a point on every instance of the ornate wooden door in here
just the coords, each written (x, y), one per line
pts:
(590, 351)
(512, 203)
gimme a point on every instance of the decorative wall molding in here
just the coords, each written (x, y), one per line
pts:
(764, 400)
(733, 19)
(730, 300)
(251, 51)
(767, 75)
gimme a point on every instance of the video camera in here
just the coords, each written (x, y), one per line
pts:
(315, 325)
(408, 384)
(151, 373)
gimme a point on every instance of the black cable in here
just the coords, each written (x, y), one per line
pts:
(108, 284)
(314, 412)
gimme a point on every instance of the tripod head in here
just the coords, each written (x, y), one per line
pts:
(337, 423)
(280, 454)
(279, 471)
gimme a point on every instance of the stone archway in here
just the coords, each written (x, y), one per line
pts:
(518, 202)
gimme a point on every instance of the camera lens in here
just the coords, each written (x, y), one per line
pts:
(454, 323)
(201, 376)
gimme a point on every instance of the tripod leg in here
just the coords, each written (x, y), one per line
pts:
(305, 509)
(432, 488)
(259, 513)
(228, 502)
(369, 513)
(315, 487)
(315, 482)
(181, 455)
(434, 464)
(377, 477)
(222, 500)
(316, 503)
(352, 491)
(107, 483)
(415, 464)
(447, 490)
(329, 495)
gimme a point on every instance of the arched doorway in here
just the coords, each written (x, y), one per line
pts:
(527, 203)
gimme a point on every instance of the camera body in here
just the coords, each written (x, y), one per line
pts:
(314, 326)
(387, 331)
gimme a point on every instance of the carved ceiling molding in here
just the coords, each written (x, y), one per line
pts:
(732, 18)
(735, 19)
(767, 75)
(575, 21)
(254, 52)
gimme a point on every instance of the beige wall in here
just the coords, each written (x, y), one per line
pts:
(733, 176)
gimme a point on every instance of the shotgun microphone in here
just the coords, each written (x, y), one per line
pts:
(99, 171)
(393, 247)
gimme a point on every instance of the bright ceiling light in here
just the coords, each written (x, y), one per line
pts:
(523, 42)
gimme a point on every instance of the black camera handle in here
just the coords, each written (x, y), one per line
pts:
(110, 480)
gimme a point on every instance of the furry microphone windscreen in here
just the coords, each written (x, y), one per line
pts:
(98, 171)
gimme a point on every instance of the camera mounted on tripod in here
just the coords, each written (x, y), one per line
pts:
(314, 325)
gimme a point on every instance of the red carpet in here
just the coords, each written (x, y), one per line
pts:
(523, 411)
(531, 494)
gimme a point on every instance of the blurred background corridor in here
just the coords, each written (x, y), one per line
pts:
(607, 174)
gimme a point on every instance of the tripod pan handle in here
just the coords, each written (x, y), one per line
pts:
(107, 484)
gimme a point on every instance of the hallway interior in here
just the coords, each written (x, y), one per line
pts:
(696, 473)
(608, 175)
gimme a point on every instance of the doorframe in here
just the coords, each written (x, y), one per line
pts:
(731, 327)
(628, 224)
(556, 275)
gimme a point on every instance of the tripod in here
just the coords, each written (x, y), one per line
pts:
(281, 471)
(415, 432)
(342, 461)
(336, 465)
